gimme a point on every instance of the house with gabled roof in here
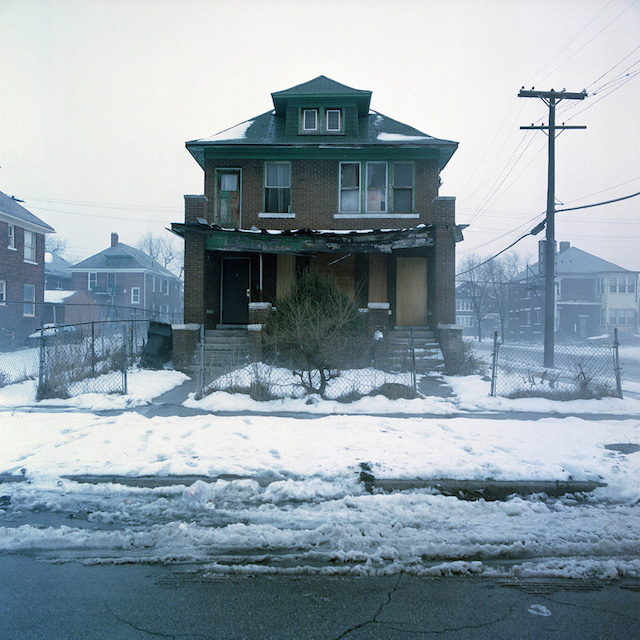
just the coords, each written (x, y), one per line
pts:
(127, 283)
(21, 271)
(321, 182)
(593, 296)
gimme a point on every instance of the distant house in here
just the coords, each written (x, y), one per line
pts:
(593, 296)
(321, 182)
(21, 271)
(69, 307)
(467, 318)
(127, 283)
(57, 273)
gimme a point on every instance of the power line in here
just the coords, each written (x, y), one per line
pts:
(599, 204)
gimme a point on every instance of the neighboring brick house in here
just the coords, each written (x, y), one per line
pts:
(70, 307)
(321, 182)
(593, 296)
(467, 318)
(21, 271)
(127, 283)
(57, 273)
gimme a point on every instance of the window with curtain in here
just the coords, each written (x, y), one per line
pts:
(376, 187)
(277, 187)
(349, 187)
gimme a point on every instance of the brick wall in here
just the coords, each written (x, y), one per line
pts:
(16, 273)
(314, 196)
(445, 261)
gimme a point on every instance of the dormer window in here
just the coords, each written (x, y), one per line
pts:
(334, 120)
(309, 119)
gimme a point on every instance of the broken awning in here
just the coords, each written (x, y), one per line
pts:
(309, 241)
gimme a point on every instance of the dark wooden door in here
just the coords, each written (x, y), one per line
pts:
(235, 290)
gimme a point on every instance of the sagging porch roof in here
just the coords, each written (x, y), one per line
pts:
(309, 240)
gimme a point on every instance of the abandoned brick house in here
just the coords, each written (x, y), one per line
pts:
(321, 182)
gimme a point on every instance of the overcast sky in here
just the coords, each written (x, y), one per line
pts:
(99, 96)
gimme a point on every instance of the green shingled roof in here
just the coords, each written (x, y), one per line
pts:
(268, 131)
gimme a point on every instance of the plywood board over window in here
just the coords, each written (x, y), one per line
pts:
(342, 268)
(411, 292)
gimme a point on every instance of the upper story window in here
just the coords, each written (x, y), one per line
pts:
(277, 187)
(376, 187)
(11, 239)
(309, 119)
(333, 120)
(92, 280)
(403, 186)
(29, 246)
(135, 295)
(349, 187)
(29, 300)
(164, 286)
(3, 292)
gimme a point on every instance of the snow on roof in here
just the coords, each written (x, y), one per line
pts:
(57, 297)
(237, 132)
(399, 137)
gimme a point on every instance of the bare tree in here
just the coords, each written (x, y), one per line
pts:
(474, 277)
(164, 251)
(55, 244)
(501, 273)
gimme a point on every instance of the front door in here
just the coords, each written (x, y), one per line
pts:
(411, 292)
(229, 198)
(235, 291)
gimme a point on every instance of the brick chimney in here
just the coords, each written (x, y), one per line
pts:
(114, 239)
(564, 246)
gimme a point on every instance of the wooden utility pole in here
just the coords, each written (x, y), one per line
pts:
(551, 99)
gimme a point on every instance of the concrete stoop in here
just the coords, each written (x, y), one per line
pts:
(224, 350)
(428, 354)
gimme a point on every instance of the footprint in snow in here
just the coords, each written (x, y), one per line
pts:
(539, 610)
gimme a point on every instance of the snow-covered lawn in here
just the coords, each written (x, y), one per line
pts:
(302, 508)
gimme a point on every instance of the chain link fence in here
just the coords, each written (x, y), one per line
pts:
(88, 358)
(72, 348)
(361, 367)
(580, 371)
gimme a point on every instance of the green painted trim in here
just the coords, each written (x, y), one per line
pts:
(362, 153)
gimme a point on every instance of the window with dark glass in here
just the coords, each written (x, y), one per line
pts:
(349, 187)
(29, 298)
(403, 186)
(277, 187)
(333, 117)
(376, 187)
(309, 119)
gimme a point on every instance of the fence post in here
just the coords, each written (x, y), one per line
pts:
(413, 362)
(41, 371)
(494, 364)
(616, 362)
(93, 348)
(200, 385)
(124, 366)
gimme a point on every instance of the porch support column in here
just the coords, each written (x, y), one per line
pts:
(194, 262)
(445, 260)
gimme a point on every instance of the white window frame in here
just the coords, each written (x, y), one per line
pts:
(3, 292)
(11, 237)
(326, 118)
(92, 275)
(30, 247)
(358, 188)
(135, 295)
(315, 113)
(29, 301)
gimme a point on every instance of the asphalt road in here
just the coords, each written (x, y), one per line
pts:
(40, 600)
